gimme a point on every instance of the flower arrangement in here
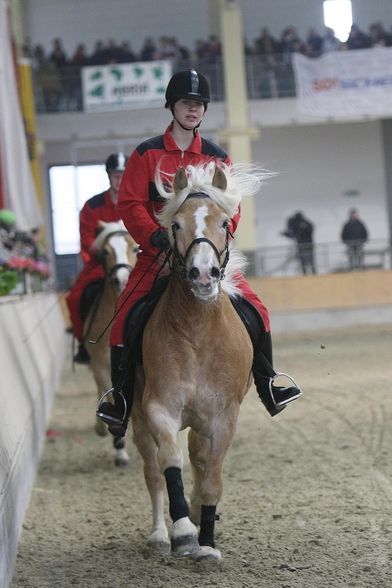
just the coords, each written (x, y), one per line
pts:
(13, 269)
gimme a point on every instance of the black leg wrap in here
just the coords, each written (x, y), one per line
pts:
(178, 507)
(207, 524)
(118, 443)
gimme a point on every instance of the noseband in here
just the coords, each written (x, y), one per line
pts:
(112, 272)
(182, 259)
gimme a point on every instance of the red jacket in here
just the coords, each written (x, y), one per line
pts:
(139, 199)
(99, 207)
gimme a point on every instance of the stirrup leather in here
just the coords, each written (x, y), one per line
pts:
(110, 419)
(282, 402)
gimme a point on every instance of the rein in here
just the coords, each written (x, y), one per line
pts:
(182, 259)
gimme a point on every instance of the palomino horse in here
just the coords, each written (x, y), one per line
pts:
(117, 250)
(197, 358)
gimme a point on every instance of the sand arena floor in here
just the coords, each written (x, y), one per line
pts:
(307, 495)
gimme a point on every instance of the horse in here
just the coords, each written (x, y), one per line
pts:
(117, 250)
(197, 357)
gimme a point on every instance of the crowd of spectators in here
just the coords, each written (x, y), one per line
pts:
(56, 71)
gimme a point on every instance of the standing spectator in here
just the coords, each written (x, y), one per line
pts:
(301, 230)
(354, 235)
(149, 50)
(357, 39)
(330, 41)
(58, 56)
(126, 54)
(314, 43)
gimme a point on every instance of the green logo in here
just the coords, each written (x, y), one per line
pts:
(117, 74)
(97, 92)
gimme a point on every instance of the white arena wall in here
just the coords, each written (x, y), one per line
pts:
(32, 344)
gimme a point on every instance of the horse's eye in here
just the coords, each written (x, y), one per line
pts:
(225, 224)
(136, 249)
(175, 226)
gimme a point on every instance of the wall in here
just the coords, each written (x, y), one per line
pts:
(32, 345)
(312, 303)
(86, 21)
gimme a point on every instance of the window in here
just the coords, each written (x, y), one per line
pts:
(338, 16)
(70, 187)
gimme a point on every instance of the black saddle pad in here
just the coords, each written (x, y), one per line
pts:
(88, 298)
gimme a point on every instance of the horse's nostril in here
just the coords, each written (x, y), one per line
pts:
(193, 273)
(215, 272)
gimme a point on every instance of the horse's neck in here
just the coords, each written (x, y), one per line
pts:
(181, 306)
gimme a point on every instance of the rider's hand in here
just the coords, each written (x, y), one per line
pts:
(160, 239)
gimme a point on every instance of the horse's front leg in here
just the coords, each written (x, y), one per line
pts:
(164, 428)
(206, 456)
(159, 538)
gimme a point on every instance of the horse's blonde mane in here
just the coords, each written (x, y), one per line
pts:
(107, 230)
(237, 262)
(242, 180)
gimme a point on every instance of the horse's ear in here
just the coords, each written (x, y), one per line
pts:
(180, 180)
(219, 179)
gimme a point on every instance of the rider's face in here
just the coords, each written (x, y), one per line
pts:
(115, 179)
(189, 112)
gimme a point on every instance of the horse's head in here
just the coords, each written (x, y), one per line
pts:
(197, 215)
(117, 250)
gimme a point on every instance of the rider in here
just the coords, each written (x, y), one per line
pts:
(187, 97)
(100, 207)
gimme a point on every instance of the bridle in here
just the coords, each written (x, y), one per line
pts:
(110, 273)
(179, 260)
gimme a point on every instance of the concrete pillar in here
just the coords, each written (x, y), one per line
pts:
(237, 135)
(18, 23)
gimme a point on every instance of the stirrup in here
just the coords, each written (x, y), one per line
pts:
(282, 403)
(108, 418)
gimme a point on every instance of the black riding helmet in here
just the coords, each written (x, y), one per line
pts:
(188, 84)
(116, 162)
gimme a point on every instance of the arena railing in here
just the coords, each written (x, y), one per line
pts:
(60, 89)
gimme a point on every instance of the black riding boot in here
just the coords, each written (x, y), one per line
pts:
(82, 356)
(273, 397)
(116, 414)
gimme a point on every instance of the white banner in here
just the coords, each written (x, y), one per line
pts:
(20, 195)
(124, 86)
(345, 83)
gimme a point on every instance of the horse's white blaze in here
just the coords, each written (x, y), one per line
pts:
(120, 247)
(200, 218)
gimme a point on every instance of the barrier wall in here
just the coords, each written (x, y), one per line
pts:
(331, 300)
(32, 347)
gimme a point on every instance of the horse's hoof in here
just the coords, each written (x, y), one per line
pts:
(160, 543)
(207, 553)
(101, 429)
(183, 538)
(121, 462)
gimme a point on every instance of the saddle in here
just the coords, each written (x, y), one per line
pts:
(88, 298)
